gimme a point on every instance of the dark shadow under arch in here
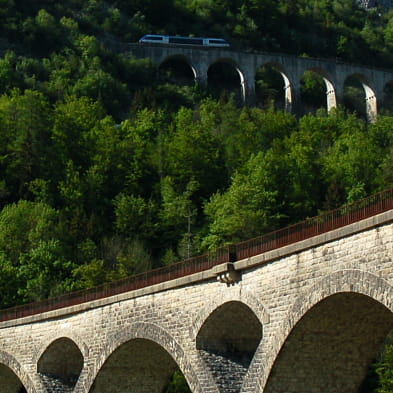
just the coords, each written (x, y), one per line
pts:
(271, 85)
(387, 99)
(244, 296)
(316, 91)
(332, 346)
(61, 364)
(342, 281)
(138, 365)
(359, 97)
(149, 336)
(177, 69)
(226, 79)
(227, 342)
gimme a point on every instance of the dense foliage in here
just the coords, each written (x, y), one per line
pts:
(108, 169)
(86, 199)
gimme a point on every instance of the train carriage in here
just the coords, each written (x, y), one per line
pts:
(178, 40)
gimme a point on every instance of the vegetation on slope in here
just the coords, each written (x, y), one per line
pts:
(108, 170)
(86, 199)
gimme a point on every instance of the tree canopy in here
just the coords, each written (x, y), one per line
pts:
(109, 167)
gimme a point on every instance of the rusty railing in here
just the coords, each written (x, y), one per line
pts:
(348, 214)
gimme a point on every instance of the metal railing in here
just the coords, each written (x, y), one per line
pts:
(348, 214)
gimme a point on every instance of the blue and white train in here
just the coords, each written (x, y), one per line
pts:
(198, 41)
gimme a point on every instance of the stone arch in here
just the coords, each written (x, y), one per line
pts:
(19, 379)
(227, 335)
(232, 327)
(244, 81)
(328, 86)
(61, 333)
(185, 69)
(370, 99)
(234, 294)
(352, 282)
(286, 83)
(357, 281)
(61, 364)
(146, 332)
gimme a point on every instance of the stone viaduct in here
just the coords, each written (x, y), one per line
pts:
(306, 317)
(291, 68)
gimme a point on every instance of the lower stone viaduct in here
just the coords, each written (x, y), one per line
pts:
(309, 316)
(335, 74)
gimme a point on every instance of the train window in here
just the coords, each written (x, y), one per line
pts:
(185, 40)
(153, 38)
(217, 42)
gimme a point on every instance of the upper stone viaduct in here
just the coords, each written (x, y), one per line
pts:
(291, 68)
(308, 316)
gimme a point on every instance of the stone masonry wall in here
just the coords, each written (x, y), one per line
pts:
(280, 288)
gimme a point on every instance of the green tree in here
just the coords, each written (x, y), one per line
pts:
(26, 129)
(74, 119)
(8, 77)
(178, 214)
(385, 370)
(254, 130)
(352, 161)
(249, 207)
(31, 250)
(193, 152)
(134, 216)
(177, 384)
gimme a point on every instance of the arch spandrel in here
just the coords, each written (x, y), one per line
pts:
(18, 376)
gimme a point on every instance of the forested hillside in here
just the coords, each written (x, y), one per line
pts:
(108, 168)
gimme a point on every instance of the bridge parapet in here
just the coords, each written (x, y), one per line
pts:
(220, 263)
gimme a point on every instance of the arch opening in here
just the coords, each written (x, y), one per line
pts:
(60, 365)
(225, 79)
(227, 342)
(9, 381)
(316, 92)
(331, 348)
(360, 98)
(272, 88)
(140, 366)
(387, 99)
(177, 70)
